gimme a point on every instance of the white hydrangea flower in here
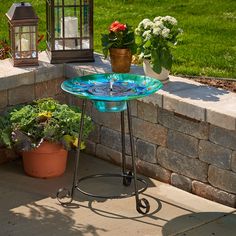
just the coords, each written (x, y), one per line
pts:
(157, 31)
(147, 35)
(156, 19)
(143, 23)
(165, 32)
(147, 24)
(158, 24)
(170, 20)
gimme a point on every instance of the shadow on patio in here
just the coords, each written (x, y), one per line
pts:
(28, 207)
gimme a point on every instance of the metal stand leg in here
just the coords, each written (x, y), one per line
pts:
(65, 196)
(127, 176)
(63, 192)
(142, 205)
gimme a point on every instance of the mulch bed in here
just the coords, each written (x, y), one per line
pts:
(227, 84)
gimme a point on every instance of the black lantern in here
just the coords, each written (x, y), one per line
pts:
(23, 31)
(70, 30)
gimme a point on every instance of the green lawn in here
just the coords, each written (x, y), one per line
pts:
(208, 45)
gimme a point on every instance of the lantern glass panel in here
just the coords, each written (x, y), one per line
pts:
(58, 17)
(32, 42)
(86, 15)
(58, 3)
(71, 2)
(25, 42)
(67, 28)
(32, 29)
(71, 22)
(58, 44)
(57, 28)
(85, 25)
(25, 29)
(17, 49)
(17, 29)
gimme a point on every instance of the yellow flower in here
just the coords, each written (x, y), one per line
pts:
(75, 144)
(82, 146)
(46, 114)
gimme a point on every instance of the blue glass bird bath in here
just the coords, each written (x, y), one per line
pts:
(110, 92)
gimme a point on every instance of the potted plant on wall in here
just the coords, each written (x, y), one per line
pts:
(155, 40)
(120, 43)
(43, 132)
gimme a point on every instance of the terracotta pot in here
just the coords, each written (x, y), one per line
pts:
(46, 161)
(120, 59)
(163, 76)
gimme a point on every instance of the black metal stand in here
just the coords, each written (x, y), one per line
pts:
(66, 196)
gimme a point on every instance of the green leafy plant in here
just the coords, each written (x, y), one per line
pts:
(26, 127)
(119, 36)
(155, 40)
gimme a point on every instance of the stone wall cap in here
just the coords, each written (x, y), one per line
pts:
(11, 77)
(219, 104)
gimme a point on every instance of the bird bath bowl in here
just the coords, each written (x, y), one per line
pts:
(110, 92)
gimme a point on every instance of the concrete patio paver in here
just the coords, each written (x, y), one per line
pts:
(28, 207)
(218, 227)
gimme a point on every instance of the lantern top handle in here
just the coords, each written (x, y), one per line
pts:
(21, 11)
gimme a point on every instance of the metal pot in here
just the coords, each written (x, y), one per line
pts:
(120, 59)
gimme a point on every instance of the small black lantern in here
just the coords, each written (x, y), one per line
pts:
(70, 30)
(23, 33)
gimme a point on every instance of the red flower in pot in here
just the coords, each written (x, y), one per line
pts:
(120, 43)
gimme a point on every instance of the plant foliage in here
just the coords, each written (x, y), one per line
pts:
(26, 127)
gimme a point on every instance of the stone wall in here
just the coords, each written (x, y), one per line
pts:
(192, 155)
(184, 135)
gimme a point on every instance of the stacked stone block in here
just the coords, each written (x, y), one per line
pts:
(190, 154)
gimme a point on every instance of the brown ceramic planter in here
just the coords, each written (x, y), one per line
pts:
(120, 59)
(46, 161)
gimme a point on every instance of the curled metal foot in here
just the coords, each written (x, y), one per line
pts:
(127, 179)
(64, 196)
(143, 206)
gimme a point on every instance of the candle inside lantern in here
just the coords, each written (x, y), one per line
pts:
(70, 27)
(25, 45)
(70, 31)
